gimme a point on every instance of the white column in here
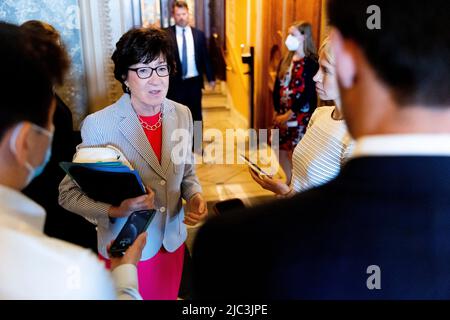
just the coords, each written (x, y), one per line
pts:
(102, 24)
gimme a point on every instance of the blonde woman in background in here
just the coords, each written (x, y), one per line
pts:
(326, 145)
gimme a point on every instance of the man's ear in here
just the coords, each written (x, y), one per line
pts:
(19, 141)
(345, 58)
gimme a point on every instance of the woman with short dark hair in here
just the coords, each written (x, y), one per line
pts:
(142, 124)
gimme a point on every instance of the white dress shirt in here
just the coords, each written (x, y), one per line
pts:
(192, 67)
(35, 266)
(403, 145)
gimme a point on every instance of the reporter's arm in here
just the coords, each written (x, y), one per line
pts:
(88, 279)
(126, 282)
(124, 270)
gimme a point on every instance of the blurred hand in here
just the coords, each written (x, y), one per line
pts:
(133, 253)
(212, 85)
(128, 206)
(282, 119)
(268, 183)
(197, 210)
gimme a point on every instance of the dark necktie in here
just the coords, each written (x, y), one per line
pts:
(184, 55)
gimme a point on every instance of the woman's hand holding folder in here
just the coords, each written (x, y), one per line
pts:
(128, 206)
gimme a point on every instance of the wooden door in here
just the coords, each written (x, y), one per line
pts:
(277, 16)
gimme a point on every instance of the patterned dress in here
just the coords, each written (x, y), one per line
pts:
(296, 92)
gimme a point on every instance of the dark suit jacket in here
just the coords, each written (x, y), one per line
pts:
(60, 223)
(201, 56)
(392, 212)
(308, 96)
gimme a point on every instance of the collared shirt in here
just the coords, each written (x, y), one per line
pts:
(403, 145)
(35, 266)
(192, 67)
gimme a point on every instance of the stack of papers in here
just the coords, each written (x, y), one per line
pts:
(100, 154)
(104, 174)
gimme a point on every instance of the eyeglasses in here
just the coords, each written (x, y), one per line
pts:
(146, 72)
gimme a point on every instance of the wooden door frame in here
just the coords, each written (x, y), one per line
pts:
(292, 11)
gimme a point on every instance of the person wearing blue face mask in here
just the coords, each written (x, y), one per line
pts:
(33, 265)
(294, 94)
(33, 171)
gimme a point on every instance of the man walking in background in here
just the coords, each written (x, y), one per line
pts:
(192, 62)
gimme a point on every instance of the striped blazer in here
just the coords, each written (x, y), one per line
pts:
(118, 125)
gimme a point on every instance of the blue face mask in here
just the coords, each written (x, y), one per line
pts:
(34, 172)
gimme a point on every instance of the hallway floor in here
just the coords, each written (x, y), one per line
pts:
(224, 181)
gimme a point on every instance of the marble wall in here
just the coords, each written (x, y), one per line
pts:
(64, 15)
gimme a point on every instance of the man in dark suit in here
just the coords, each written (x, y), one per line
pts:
(59, 223)
(380, 230)
(192, 61)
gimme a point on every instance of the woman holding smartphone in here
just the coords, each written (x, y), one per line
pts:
(326, 144)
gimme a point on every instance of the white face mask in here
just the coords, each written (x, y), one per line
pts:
(292, 43)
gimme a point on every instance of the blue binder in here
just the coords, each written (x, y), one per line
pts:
(109, 182)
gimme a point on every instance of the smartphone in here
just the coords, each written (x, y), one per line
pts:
(137, 223)
(254, 166)
(292, 124)
(225, 206)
